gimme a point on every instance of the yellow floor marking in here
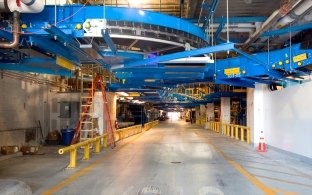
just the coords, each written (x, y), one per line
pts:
(285, 181)
(303, 176)
(284, 192)
(86, 169)
(245, 173)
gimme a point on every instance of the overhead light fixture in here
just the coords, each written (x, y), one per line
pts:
(149, 80)
(83, 46)
(142, 13)
(122, 94)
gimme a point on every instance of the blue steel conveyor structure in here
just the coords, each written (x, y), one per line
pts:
(145, 50)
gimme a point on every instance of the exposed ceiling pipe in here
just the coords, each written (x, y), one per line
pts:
(24, 6)
(300, 15)
(15, 30)
(304, 19)
(17, 7)
(271, 21)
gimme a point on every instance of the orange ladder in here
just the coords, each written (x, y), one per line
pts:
(84, 129)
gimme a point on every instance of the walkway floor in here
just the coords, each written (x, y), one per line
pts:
(173, 158)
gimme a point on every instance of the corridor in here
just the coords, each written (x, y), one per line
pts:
(173, 158)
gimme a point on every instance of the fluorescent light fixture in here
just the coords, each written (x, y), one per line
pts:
(149, 80)
(122, 93)
(85, 46)
(141, 13)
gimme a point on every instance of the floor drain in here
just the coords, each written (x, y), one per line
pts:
(175, 162)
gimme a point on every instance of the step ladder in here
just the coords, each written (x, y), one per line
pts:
(85, 128)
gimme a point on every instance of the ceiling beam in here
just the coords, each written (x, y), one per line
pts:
(184, 54)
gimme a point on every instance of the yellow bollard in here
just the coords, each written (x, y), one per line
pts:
(105, 141)
(232, 131)
(97, 146)
(229, 130)
(242, 134)
(72, 158)
(248, 135)
(236, 132)
(120, 135)
(86, 153)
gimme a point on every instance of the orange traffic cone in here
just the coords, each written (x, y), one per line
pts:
(262, 147)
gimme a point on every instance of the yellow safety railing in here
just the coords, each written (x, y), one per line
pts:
(128, 131)
(234, 131)
(215, 126)
(102, 141)
(202, 121)
(148, 126)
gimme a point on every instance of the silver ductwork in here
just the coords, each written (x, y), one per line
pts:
(299, 16)
(272, 21)
(24, 6)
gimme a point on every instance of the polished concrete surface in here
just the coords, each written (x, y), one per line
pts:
(173, 158)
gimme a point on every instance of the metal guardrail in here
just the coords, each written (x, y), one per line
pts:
(102, 141)
(234, 131)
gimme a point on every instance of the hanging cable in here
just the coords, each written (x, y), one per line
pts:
(201, 11)
(268, 53)
(290, 49)
(227, 21)
(55, 13)
(227, 24)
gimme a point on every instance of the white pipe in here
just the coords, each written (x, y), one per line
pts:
(298, 11)
(26, 6)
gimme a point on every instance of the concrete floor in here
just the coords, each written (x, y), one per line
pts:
(174, 158)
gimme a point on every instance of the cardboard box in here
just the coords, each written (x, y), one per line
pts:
(29, 149)
(54, 135)
(9, 149)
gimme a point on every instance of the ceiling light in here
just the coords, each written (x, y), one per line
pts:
(149, 80)
(122, 93)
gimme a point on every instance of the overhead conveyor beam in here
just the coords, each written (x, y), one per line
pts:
(53, 47)
(178, 55)
(53, 30)
(250, 19)
(52, 69)
(159, 76)
(219, 29)
(212, 9)
(161, 69)
(109, 41)
(287, 30)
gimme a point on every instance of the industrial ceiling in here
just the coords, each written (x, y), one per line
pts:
(146, 49)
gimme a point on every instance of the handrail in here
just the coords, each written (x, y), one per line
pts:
(100, 141)
(238, 132)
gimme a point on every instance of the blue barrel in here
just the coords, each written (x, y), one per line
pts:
(67, 136)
